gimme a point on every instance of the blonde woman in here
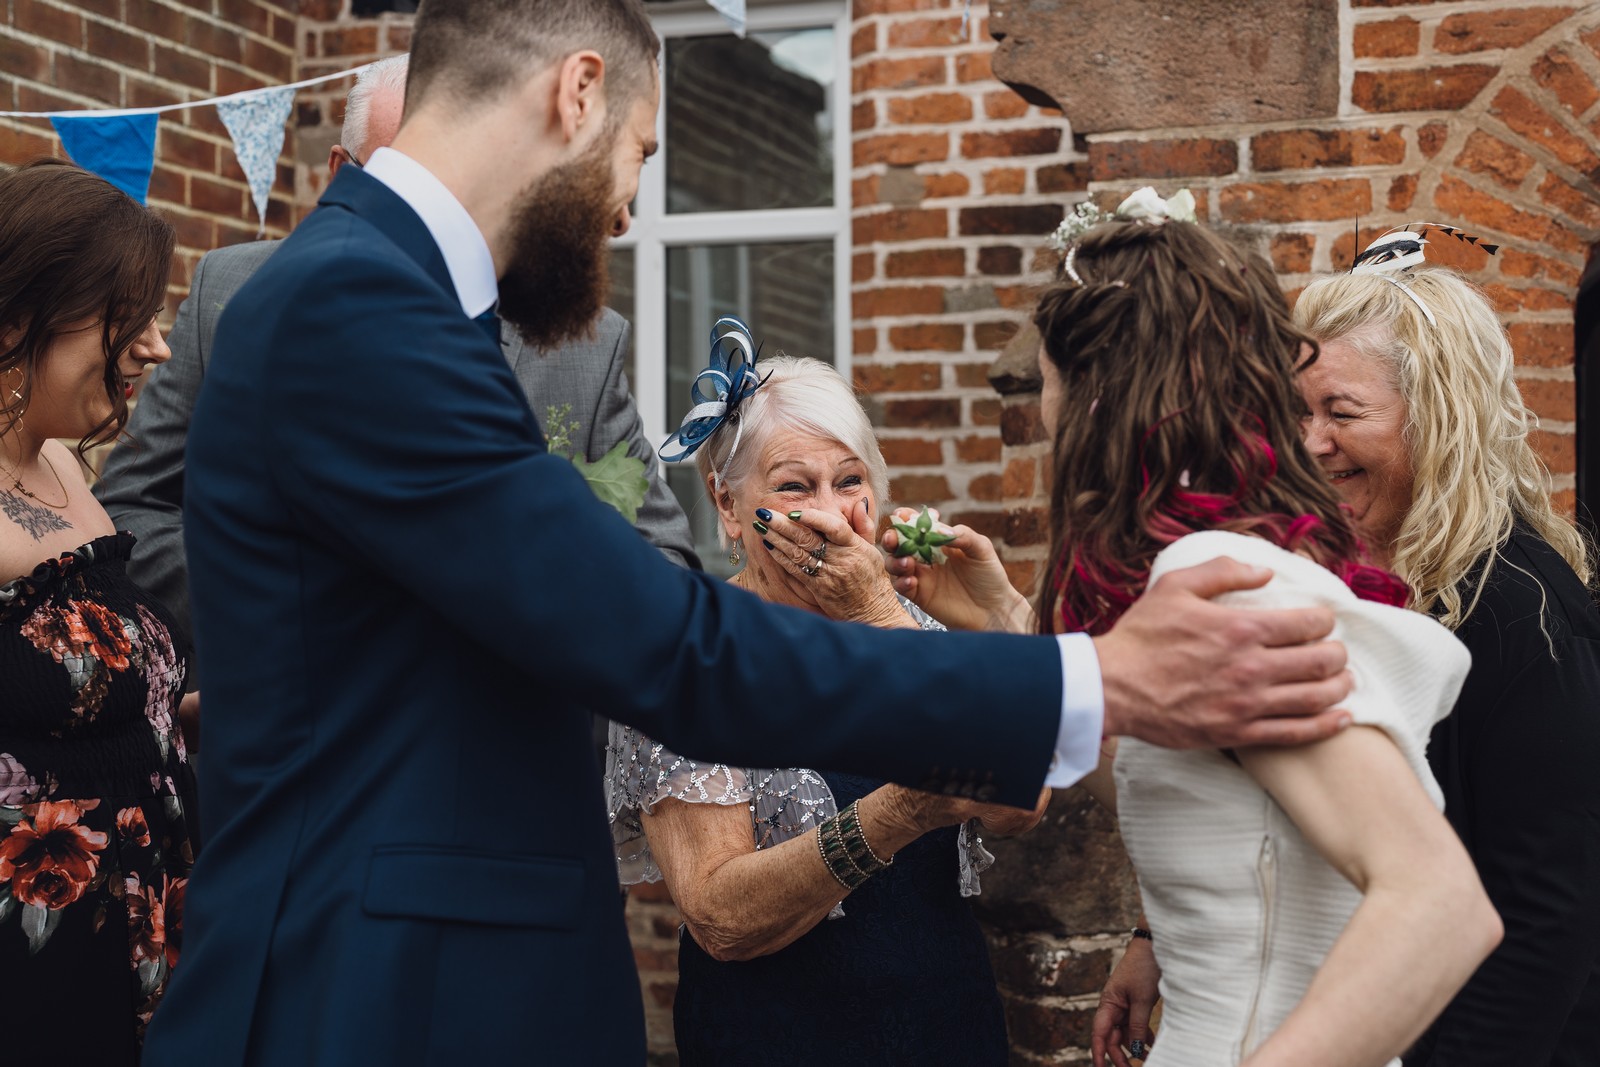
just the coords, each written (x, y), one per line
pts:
(1414, 414)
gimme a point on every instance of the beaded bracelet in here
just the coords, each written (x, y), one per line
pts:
(836, 857)
(855, 842)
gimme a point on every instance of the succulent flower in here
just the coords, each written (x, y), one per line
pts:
(919, 538)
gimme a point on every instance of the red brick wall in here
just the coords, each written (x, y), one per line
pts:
(84, 54)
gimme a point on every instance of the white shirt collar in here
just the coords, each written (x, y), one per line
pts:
(466, 253)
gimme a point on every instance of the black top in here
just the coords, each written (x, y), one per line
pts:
(96, 835)
(902, 979)
(1519, 762)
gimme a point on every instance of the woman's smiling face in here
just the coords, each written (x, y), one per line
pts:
(1355, 429)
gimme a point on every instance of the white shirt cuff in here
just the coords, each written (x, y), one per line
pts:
(1083, 712)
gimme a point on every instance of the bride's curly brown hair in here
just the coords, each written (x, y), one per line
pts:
(1179, 413)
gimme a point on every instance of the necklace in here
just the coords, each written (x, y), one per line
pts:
(25, 491)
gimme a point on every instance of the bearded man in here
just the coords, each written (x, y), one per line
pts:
(406, 603)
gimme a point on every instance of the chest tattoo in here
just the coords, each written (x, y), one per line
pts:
(34, 520)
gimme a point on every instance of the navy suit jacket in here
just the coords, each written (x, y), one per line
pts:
(405, 607)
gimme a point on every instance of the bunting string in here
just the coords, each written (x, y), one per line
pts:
(162, 108)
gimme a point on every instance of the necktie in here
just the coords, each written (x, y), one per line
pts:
(489, 323)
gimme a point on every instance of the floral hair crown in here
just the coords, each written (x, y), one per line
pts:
(717, 393)
(1142, 205)
(1394, 253)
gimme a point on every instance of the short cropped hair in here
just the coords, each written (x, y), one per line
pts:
(1467, 427)
(801, 395)
(477, 49)
(386, 74)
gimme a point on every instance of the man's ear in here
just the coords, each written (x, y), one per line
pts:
(580, 92)
(338, 156)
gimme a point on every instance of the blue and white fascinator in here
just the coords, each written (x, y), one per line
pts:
(1396, 252)
(717, 393)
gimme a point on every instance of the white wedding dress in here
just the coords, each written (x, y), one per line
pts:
(1243, 909)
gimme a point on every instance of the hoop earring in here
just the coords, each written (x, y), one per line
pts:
(734, 555)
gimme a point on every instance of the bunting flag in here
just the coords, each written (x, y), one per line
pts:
(733, 11)
(119, 144)
(121, 148)
(256, 124)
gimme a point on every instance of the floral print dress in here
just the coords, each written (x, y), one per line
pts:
(96, 809)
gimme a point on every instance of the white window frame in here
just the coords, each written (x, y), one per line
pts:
(654, 230)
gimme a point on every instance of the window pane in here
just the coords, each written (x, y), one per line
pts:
(621, 299)
(784, 292)
(750, 123)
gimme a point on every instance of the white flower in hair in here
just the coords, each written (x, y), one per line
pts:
(1144, 205)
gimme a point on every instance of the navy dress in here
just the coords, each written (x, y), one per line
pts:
(902, 978)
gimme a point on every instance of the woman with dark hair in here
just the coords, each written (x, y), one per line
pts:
(95, 786)
(1307, 905)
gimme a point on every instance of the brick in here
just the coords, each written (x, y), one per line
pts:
(991, 524)
(213, 39)
(1431, 138)
(911, 451)
(1023, 574)
(1017, 297)
(1557, 72)
(1592, 39)
(1039, 142)
(1553, 401)
(901, 149)
(1522, 115)
(864, 342)
(922, 414)
(898, 73)
(986, 488)
(1004, 104)
(1027, 526)
(974, 67)
(47, 20)
(1431, 89)
(864, 191)
(1063, 178)
(1476, 208)
(920, 300)
(351, 40)
(244, 14)
(1480, 31)
(116, 45)
(973, 375)
(216, 198)
(176, 145)
(74, 75)
(194, 231)
(663, 993)
(985, 412)
(142, 92)
(321, 10)
(877, 377)
(1018, 219)
(1020, 477)
(923, 488)
(1569, 201)
(1020, 424)
(864, 115)
(1123, 160)
(999, 259)
(18, 145)
(926, 263)
(925, 33)
(655, 959)
(1515, 263)
(930, 109)
(20, 59)
(1301, 149)
(936, 186)
(183, 68)
(863, 265)
(929, 337)
(397, 38)
(1402, 192)
(979, 448)
(1291, 252)
(1387, 40)
(1565, 501)
(1005, 181)
(1507, 299)
(864, 40)
(1558, 451)
(171, 186)
(1486, 154)
(284, 29)
(232, 81)
(158, 20)
(989, 336)
(270, 60)
(1297, 201)
(1541, 344)
(910, 225)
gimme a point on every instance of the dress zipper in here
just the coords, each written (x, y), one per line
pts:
(1267, 880)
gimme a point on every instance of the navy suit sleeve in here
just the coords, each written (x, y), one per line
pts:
(407, 443)
(1535, 836)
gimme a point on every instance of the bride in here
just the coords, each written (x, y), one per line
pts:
(1305, 906)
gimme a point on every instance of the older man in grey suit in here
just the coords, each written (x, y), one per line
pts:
(142, 485)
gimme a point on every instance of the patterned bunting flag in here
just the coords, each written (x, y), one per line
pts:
(121, 148)
(256, 124)
(733, 11)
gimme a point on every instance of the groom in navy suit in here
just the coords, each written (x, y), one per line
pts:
(405, 605)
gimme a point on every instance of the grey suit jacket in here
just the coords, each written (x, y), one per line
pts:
(142, 484)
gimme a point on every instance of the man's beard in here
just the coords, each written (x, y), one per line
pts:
(557, 278)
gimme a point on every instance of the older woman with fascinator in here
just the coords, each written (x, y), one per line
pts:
(1305, 905)
(824, 914)
(1415, 417)
(96, 837)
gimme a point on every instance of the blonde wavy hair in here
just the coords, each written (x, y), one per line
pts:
(1466, 428)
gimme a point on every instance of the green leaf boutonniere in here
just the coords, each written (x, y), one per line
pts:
(919, 538)
(616, 477)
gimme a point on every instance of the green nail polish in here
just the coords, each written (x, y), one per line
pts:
(795, 515)
(760, 526)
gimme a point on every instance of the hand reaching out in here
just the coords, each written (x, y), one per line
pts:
(969, 591)
(1125, 1005)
